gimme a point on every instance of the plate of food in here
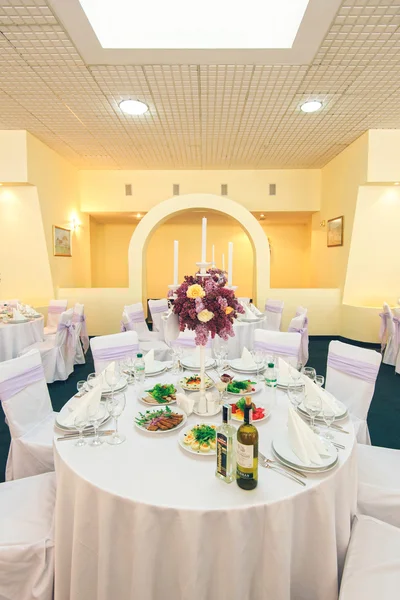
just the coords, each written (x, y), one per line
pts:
(238, 387)
(200, 439)
(161, 420)
(192, 383)
(260, 412)
(161, 393)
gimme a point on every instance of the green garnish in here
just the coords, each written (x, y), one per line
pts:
(162, 393)
(238, 387)
(149, 415)
(240, 404)
(203, 433)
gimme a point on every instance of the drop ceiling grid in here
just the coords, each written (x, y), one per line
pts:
(214, 116)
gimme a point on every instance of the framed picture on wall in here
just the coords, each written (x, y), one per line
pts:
(62, 241)
(335, 232)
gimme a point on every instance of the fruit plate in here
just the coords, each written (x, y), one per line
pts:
(187, 447)
(239, 417)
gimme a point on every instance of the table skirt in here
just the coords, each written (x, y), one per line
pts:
(16, 337)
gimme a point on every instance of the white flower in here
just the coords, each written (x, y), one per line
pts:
(205, 315)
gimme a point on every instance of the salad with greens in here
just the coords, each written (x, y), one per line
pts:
(241, 387)
(161, 394)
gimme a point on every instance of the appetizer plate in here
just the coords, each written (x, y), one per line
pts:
(339, 417)
(282, 448)
(241, 393)
(195, 386)
(149, 400)
(239, 418)
(190, 363)
(157, 410)
(65, 411)
(187, 447)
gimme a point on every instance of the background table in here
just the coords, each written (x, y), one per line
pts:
(148, 520)
(14, 337)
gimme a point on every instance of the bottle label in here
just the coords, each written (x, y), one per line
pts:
(222, 446)
(245, 456)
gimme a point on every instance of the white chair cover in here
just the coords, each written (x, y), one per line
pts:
(82, 338)
(379, 483)
(273, 312)
(387, 336)
(350, 376)
(117, 346)
(299, 324)
(396, 325)
(29, 415)
(58, 352)
(244, 299)
(372, 567)
(133, 320)
(56, 307)
(279, 343)
(27, 538)
(157, 309)
(186, 341)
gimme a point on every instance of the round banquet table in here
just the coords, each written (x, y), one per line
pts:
(147, 520)
(14, 337)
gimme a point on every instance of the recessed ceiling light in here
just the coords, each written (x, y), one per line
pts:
(133, 107)
(311, 106)
(395, 183)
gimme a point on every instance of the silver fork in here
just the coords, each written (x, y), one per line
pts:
(268, 465)
(281, 466)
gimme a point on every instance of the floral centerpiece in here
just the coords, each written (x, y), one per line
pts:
(205, 306)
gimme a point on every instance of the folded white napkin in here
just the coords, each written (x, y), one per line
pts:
(305, 444)
(186, 403)
(81, 405)
(247, 359)
(149, 360)
(248, 313)
(326, 399)
(17, 315)
(255, 310)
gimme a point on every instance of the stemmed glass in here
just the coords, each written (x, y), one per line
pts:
(130, 363)
(313, 405)
(294, 375)
(220, 353)
(113, 376)
(309, 372)
(80, 423)
(258, 357)
(115, 407)
(176, 352)
(296, 393)
(91, 379)
(96, 416)
(320, 380)
(81, 387)
(328, 414)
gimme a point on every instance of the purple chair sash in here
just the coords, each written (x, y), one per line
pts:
(136, 317)
(14, 385)
(159, 309)
(273, 308)
(83, 332)
(300, 330)
(356, 368)
(276, 348)
(114, 353)
(55, 310)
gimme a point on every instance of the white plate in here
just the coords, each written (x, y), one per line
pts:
(158, 367)
(339, 417)
(304, 469)
(190, 363)
(156, 409)
(247, 320)
(208, 385)
(239, 395)
(159, 404)
(65, 411)
(258, 405)
(16, 321)
(282, 448)
(237, 365)
(188, 448)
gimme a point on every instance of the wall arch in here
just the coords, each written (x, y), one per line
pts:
(164, 210)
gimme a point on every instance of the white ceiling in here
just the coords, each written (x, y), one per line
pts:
(239, 116)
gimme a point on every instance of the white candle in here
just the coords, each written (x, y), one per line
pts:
(230, 263)
(176, 252)
(223, 262)
(203, 240)
(213, 254)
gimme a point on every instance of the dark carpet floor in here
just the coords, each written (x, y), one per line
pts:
(383, 417)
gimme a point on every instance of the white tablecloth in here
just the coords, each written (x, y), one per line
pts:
(148, 520)
(14, 337)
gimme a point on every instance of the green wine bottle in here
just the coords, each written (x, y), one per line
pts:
(247, 451)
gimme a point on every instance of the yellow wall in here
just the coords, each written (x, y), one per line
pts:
(383, 155)
(297, 189)
(57, 185)
(13, 162)
(109, 253)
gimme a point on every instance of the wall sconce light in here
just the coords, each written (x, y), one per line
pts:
(75, 224)
(322, 223)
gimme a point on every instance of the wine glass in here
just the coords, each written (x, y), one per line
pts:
(258, 357)
(91, 379)
(112, 376)
(313, 405)
(294, 375)
(96, 416)
(296, 393)
(115, 407)
(80, 423)
(221, 386)
(309, 372)
(129, 363)
(81, 387)
(320, 380)
(328, 414)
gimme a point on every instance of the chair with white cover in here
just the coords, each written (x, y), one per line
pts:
(299, 324)
(114, 347)
(54, 311)
(26, 403)
(350, 376)
(379, 483)
(58, 352)
(279, 343)
(273, 312)
(82, 338)
(13, 303)
(244, 300)
(157, 309)
(387, 336)
(372, 566)
(133, 320)
(27, 538)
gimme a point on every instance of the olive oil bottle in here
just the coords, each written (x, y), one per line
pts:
(247, 451)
